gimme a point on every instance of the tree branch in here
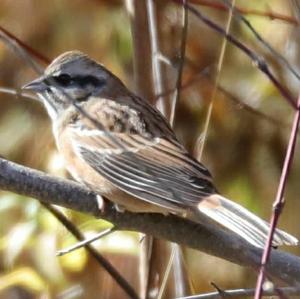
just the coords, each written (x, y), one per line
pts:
(33, 183)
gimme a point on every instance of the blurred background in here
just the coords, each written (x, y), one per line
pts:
(244, 147)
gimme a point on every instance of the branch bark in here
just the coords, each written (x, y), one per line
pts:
(66, 193)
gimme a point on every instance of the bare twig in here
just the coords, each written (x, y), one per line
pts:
(219, 290)
(240, 293)
(268, 14)
(120, 280)
(83, 243)
(17, 93)
(262, 41)
(182, 273)
(230, 96)
(279, 201)
(181, 62)
(259, 61)
(17, 47)
(254, 111)
(166, 275)
(217, 79)
(29, 49)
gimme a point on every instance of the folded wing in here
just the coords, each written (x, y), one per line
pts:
(156, 170)
(160, 171)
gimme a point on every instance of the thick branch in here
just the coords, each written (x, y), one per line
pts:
(25, 181)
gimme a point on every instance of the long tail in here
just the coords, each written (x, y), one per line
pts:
(242, 222)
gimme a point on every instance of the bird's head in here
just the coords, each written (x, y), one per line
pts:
(73, 78)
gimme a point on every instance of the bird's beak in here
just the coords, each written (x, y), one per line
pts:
(37, 85)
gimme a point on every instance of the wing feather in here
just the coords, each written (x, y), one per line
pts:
(137, 168)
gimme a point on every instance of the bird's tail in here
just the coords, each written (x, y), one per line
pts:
(242, 222)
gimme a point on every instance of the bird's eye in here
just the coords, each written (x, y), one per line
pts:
(63, 79)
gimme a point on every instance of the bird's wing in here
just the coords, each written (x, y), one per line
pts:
(156, 170)
(161, 172)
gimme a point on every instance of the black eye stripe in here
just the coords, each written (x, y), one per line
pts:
(67, 80)
(63, 79)
(85, 80)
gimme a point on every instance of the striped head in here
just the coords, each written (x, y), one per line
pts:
(73, 78)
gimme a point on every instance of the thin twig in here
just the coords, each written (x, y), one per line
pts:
(271, 15)
(217, 80)
(240, 293)
(83, 243)
(29, 49)
(17, 93)
(250, 109)
(17, 48)
(166, 275)
(181, 62)
(279, 201)
(259, 61)
(230, 96)
(185, 283)
(120, 280)
(219, 290)
(262, 41)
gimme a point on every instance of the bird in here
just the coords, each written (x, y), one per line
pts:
(124, 149)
